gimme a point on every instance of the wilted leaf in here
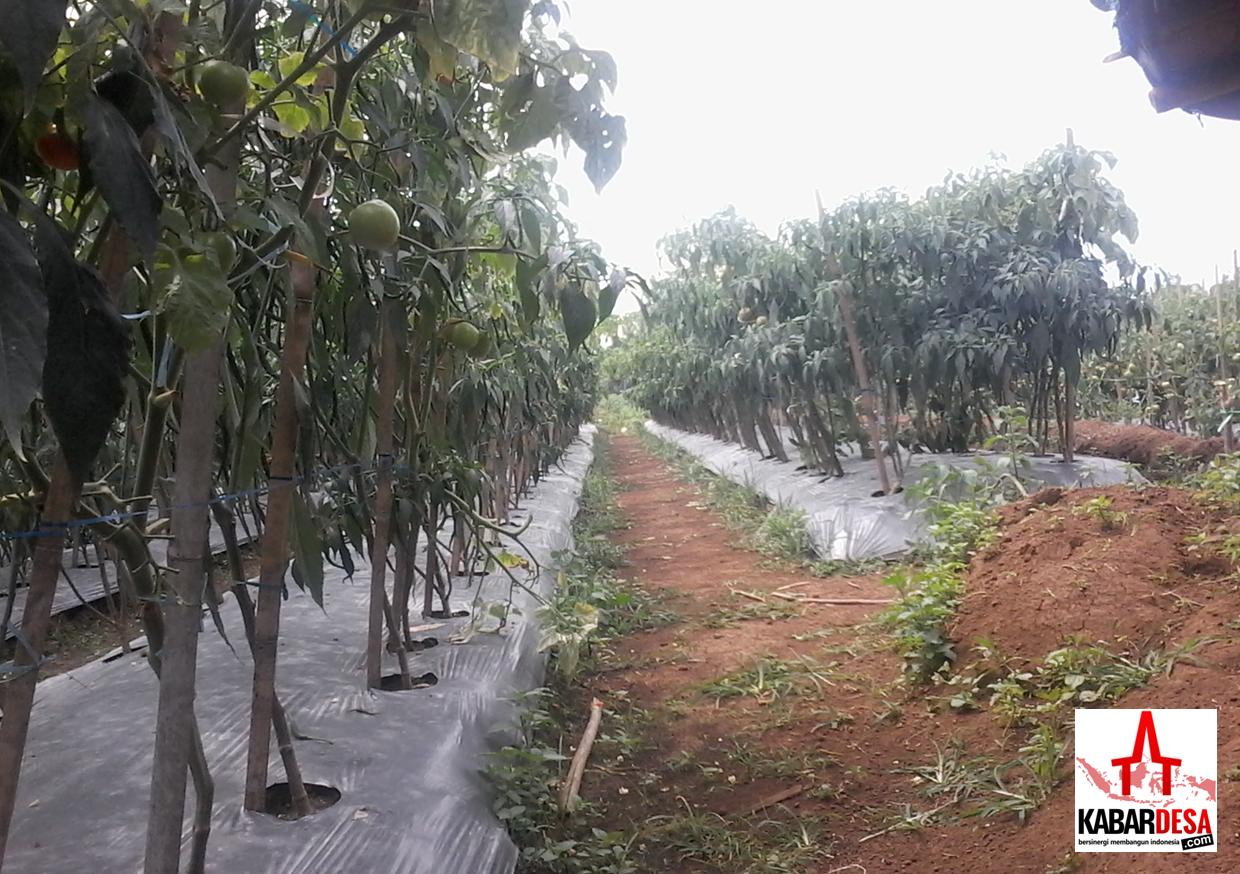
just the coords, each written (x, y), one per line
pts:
(442, 57)
(490, 30)
(510, 561)
(23, 327)
(293, 118)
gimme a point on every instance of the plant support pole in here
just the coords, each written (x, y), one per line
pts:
(274, 560)
(174, 723)
(389, 377)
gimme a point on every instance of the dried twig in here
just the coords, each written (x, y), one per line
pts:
(778, 798)
(577, 770)
(805, 599)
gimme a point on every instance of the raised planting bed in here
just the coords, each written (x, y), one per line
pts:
(405, 764)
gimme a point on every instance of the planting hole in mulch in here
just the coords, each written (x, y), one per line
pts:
(419, 645)
(391, 682)
(444, 614)
(280, 799)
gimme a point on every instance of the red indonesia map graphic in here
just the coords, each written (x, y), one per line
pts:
(1142, 779)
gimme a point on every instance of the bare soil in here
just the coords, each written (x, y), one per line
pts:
(832, 754)
(1141, 444)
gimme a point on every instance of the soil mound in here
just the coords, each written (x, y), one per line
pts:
(1108, 566)
(1141, 444)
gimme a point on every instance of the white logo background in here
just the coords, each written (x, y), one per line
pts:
(1103, 735)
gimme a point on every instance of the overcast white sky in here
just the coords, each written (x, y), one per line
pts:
(758, 103)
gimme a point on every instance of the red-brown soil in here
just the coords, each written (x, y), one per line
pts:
(1121, 575)
(848, 736)
(1141, 444)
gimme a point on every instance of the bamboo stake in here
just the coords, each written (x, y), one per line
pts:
(276, 531)
(389, 379)
(174, 722)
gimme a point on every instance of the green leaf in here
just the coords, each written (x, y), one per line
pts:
(122, 173)
(490, 30)
(29, 30)
(193, 294)
(23, 328)
(510, 561)
(611, 293)
(293, 118)
(579, 313)
(528, 278)
(529, 126)
(87, 351)
(307, 550)
(288, 63)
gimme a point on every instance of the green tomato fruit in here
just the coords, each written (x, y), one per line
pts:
(760, 321)
(745, 315)
(222, 83)
(464, 336)
(375, 225)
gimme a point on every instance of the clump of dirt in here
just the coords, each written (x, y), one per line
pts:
(1142, 444)
(1110, 566)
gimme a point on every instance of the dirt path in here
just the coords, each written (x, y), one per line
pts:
(775, 736)
(737, 695)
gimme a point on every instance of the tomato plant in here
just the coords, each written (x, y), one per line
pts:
(893, 321)
(242, 291)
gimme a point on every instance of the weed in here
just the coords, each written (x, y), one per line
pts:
(767, 846)
(980, 787)
(767, 680)
(928, 600)
(765, 763)
(590, 604)
(958, 505)
(751, 610)
(523, 781)
(1072, 677)
(1224, 543)
(1102, 509)
(1219, 484)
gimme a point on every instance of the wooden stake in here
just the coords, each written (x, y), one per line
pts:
(274, 559)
